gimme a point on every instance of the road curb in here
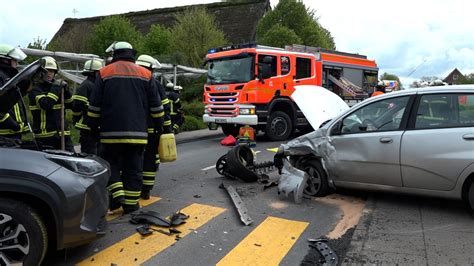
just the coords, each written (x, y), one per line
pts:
(191, 139)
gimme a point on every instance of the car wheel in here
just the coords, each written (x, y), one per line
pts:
(317, 184)
(23, 235)
(230, 129)
(470, 197)
(279, 126)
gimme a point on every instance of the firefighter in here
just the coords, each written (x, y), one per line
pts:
(14, 122)
(125, 94)
(46, 106)
(177, 116)
(151, 160)
(380, 89)
(80, 103)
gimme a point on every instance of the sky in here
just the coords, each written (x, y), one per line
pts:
(408, 38)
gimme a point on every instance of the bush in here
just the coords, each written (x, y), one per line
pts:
(195, 109)
(192, 123)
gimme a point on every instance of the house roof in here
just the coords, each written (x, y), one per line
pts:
(454, 76)
(238, 20)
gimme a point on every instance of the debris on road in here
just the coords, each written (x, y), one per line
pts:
(239, 204)
(328, 255)
(292, 181)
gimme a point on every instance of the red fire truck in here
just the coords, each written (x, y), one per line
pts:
(250, 84)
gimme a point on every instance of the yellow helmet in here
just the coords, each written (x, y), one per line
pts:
(148, 62)
(50, 63)
(92, 65)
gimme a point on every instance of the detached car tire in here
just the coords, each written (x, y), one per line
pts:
(279, 126)
(28, 239)
(317, 185)
(238, 159)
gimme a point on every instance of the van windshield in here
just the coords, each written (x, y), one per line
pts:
(230, 70)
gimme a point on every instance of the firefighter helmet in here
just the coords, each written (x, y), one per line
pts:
(118, 45)
(50, 63)
(169, 85)
(92, 65)
(177, 88)
(11, 52)
(148, 62)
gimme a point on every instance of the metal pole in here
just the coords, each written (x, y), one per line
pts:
(63, 140)
(175, 69)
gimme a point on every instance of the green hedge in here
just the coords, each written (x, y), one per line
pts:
(192, 123)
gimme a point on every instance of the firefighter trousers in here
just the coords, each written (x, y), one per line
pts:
(89, 143)
(151, 161)
(126, 165)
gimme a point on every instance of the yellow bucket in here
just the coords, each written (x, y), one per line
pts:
(167, 148)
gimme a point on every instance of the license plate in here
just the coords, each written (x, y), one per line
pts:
(221, 120)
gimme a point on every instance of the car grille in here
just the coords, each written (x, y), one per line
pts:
(222, 104)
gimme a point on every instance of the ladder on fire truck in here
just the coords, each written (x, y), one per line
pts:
(347, 86)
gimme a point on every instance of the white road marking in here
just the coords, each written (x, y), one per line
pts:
(214, 166)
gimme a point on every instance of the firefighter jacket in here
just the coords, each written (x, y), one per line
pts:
(45, 106)
(125, 94)
(176, 113)
(14, 121)
(166, 117)
(80, 103)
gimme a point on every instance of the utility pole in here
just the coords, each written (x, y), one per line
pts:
(74, 12)
(413, 71)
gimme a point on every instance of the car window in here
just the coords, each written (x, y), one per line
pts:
(269, 62)
(384, 115)
(303, 68)
(285, 65)
(445, 110)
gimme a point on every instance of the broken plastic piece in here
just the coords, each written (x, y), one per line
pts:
(293, 181)
(150, 217)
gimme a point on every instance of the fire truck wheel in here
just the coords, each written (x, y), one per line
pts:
(279, 126)
(229, 129)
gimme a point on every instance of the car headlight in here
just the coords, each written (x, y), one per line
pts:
(247, 111)
(81, 166)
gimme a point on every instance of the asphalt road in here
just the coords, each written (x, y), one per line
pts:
(279, 234)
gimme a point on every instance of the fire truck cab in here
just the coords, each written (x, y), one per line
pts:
(252, 85)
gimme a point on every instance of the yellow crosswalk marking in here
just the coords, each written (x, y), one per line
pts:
(272, 149)
(136, 249)
(267, 244)
(143, 203)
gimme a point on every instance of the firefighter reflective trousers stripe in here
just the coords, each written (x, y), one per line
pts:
(126, 165)
(151, 161)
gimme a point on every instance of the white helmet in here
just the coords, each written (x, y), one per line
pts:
(92, 65)
(177, 88)
(11, 52)
(117, 46)
(148, 62)
(170, 85)
(50, 63)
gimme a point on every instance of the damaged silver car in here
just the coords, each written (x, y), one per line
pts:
(418, 141)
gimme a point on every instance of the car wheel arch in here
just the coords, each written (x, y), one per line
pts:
(40, 198)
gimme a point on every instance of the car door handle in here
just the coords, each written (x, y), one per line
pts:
(386, 140)
(468, 136)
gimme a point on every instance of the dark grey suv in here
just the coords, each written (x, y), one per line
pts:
(48, 199)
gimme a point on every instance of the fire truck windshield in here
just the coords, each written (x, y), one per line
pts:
(230, 70)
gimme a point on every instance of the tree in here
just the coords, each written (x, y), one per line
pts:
(295, 16)
(194, 33)
(38, 43)
(279, 36)
(113, 28)
(468, 79)
(157, 41)
(388, 76)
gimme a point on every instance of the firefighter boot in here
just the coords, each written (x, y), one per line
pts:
(145, 194)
